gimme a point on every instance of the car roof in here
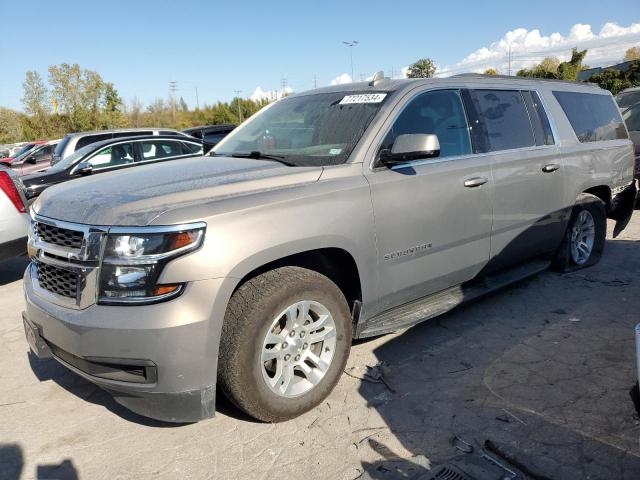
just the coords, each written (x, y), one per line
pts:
(119, 130)
(474, 80)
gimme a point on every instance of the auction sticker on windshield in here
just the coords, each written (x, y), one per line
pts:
(363, 98)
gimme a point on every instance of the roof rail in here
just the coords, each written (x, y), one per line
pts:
(512, 77)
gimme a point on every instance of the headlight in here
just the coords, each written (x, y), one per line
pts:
(133, 260)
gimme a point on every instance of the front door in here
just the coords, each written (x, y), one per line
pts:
(433, 216)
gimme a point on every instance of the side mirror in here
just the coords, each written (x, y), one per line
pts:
(32, 160)
(412, 146)
(83, 168)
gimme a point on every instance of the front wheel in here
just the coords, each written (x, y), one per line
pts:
(584, 239)
(285, 340)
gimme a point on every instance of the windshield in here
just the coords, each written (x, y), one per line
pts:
(310, 130)
(71, 159)
(627, 99)
(24, 150)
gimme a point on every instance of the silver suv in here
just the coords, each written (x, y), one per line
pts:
(340, 213)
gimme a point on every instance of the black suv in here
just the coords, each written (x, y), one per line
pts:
(210, 135)
(110, 155)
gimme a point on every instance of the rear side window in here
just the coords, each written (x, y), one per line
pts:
(214, 138)
(157, 149)
(191, 148)
(593, 117)
(134, 133)
(89, 139)
(502, 121)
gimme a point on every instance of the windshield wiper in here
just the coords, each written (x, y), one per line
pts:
(256, 155)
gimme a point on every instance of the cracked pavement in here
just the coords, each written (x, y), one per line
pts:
(543, 369)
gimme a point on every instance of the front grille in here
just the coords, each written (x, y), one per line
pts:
(57, 280)
(62, 237)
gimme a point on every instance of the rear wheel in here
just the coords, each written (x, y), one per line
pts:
(584, 239)
(285, 341)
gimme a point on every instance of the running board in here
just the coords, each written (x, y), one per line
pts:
(418, 311)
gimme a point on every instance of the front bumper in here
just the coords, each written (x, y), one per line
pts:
(157, 360)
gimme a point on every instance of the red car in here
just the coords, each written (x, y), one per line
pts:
(29, 146)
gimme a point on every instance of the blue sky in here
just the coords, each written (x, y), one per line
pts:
(220, 47)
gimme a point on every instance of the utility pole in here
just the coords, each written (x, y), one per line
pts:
(351, 45)
(283, 83)
(315, 82)
(509, 59)
(197, 100)
(173, 86)
(238, 92)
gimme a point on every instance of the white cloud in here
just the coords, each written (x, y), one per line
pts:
(529, 47)
(341, 79)
(270, 95)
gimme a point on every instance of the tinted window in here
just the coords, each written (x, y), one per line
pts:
(191, 148)
(214, 138)
(112, 156)
(632, 118)
(546, 126)
(134, 133)
(156, 149)
(61, 146)
(593, 117)
(89, 139)
(440, 113)
(626, 99)
(502, 119)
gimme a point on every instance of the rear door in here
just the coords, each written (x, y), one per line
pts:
(433, 215)
(512, 129)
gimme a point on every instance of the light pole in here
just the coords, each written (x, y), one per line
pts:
(351, 45)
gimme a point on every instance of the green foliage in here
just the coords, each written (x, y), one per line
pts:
(551, 67)
(490, 71)
(10, 125)
(615, 80)
(423, 68)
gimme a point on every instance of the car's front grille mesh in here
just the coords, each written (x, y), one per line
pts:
(59, 236)
(57, 280)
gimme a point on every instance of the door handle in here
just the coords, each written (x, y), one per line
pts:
(552, 167)
(475, 182)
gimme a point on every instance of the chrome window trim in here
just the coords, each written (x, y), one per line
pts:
(377, 168)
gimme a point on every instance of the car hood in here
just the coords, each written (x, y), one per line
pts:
(135, 196)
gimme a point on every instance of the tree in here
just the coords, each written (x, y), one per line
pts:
(632, 53)
(490, 71)
(569, 70)
(10, 126)
(616, 80)
(35, 99)
(423, 68)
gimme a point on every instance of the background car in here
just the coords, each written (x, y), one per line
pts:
(210, 134)
(110, 155)
(34, 160)
(631, 118)
(24, 149)
(628, 97)
(75, 141)
(13, 216)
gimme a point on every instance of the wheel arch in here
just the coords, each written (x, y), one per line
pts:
(603, 192)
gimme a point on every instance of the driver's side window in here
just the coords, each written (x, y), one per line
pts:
(112, 156)
(439, 112)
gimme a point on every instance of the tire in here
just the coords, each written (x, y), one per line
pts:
(566, 260)
(263, 305)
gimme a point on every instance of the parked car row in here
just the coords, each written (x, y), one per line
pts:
(340, 213)
(629, 103)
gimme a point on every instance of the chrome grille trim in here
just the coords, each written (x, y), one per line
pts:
(80, 258)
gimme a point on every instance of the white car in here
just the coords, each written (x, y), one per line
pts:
(14, 219)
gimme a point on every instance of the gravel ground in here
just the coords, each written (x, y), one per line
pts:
(542, 370)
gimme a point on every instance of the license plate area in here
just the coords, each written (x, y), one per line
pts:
(36, 343)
